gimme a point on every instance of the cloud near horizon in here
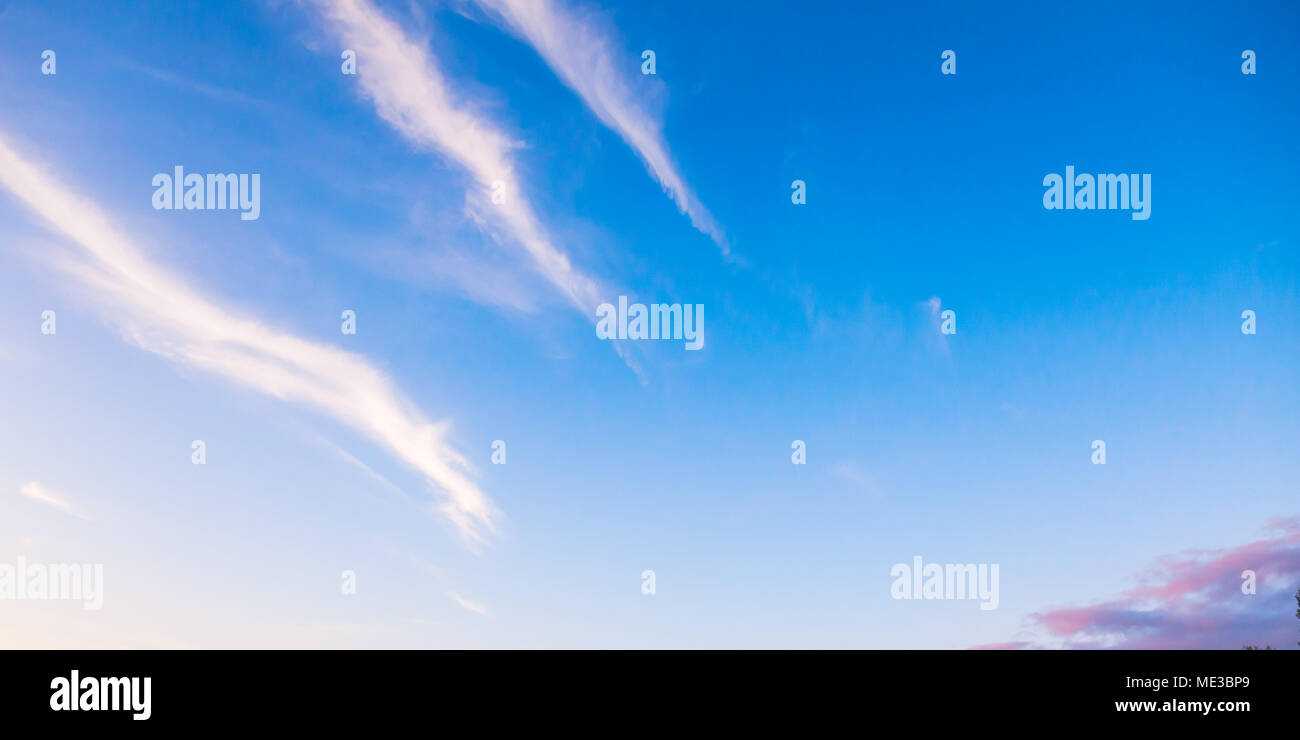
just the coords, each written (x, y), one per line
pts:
(157, 311)
(1193, 600)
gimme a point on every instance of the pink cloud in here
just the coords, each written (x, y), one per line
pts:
(1013, 645)
(1191, 600)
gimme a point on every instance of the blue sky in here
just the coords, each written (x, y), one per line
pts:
(923, 190)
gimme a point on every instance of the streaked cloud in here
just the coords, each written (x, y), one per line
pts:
(402, 79)
(855, 474)
(159, 312)
(582, 54)
(500, 283)
(352, 460)
(1193, 600)
(468, 605)
(36, 492)
(215, 92)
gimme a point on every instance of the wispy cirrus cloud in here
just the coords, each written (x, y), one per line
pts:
(858, 476)
(404, 82)
(37, 492)
(468, 605)
(215, 92)
(159, 312)
(582, 55)
(1191, 600)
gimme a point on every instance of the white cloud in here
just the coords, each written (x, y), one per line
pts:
(223, 94)
(934, 308)
(492, 282)
(580, 54)
(402, 79)
(468, 605)
(36, 492)
(162, 314)
(859, 477)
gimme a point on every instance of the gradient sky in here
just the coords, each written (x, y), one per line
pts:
(923, 190)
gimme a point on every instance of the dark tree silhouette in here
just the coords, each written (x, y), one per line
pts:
(1297, 616)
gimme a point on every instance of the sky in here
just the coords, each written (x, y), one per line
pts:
(495, 170)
